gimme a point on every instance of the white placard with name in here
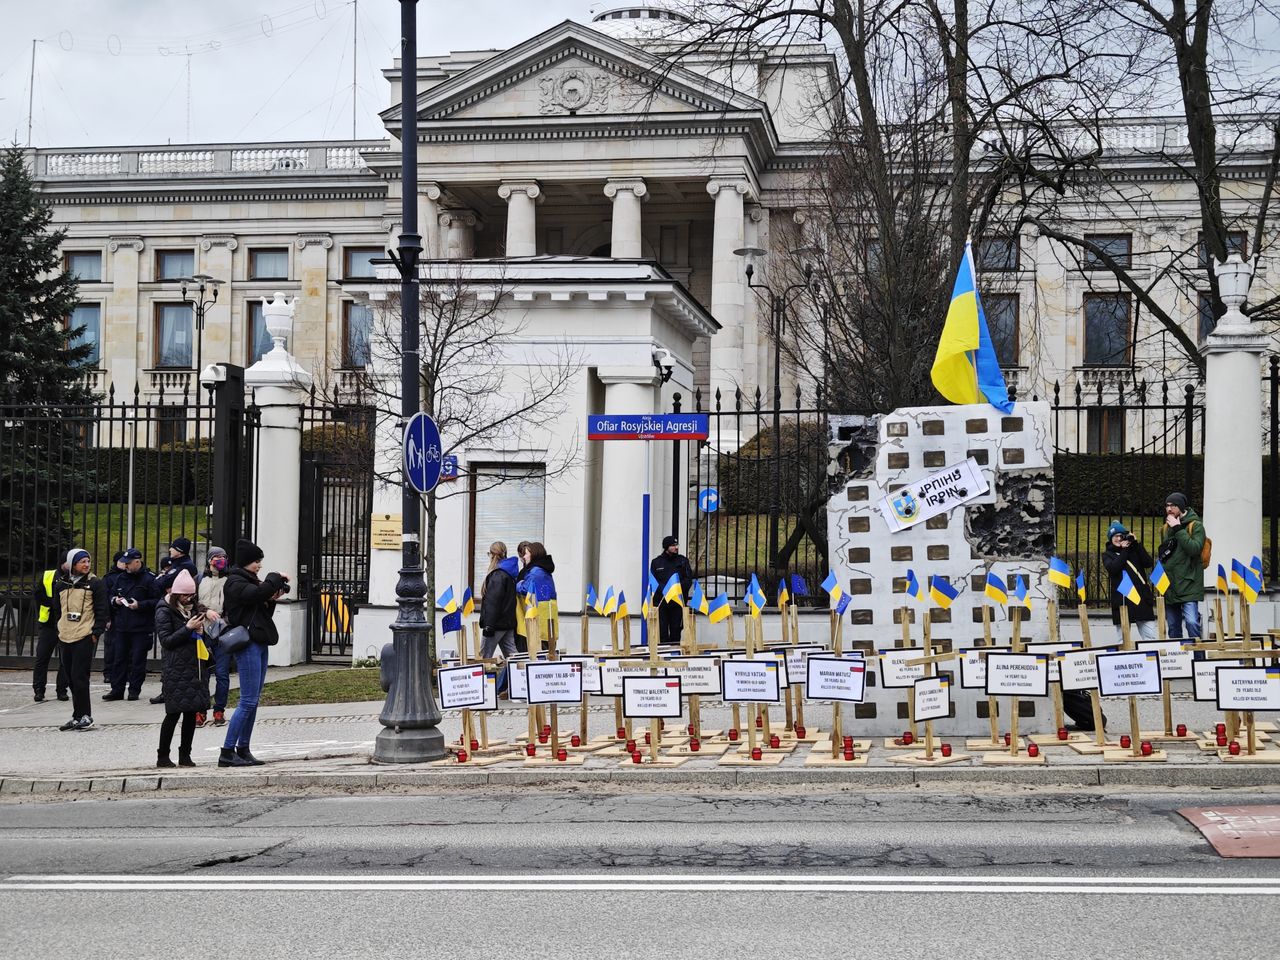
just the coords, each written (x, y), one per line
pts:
(836, 678)
(973, 667)
(751, 681)
(894, 673)
(490, 692)
(777, 657)
(651, 697)
(461, 686)
(555, 683)
(932, 698)
(590, 671)
(1017, 675)
(517, 684)
(1249, 688)
(612, 672)
(1204, 678)
(796, 658)
(1052, 649)
(1175, 661)
(934, 494)
(1079, 668)
(1129, 673)
(698, 675)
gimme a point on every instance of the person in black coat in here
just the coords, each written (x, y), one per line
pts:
(180, 624)
(133, 595)
(498, 603)
(671, 561)
(179, 559)
(249, 602)
(1125, 554)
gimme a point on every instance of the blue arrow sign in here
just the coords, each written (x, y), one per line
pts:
(709, 500)
(423, 457)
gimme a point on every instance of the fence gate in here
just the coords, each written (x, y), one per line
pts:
(335, 507)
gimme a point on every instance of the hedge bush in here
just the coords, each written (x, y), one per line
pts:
(746, 477)
(171, 475)
(1123, 483)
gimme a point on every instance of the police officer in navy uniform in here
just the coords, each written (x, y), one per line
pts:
(132, 595)
(671, 561)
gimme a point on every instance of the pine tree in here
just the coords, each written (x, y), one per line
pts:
(43, 401)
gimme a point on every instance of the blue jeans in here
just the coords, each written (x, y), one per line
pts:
(221, 674)
(1177, 614)
(251, 662)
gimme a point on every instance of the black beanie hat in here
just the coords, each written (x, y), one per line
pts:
(1177, 499)
(669, 541)
(182, 545)
(247, 552)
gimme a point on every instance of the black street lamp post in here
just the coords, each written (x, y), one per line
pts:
(206, 296)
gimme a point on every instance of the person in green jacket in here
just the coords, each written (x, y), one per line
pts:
(1180, 549)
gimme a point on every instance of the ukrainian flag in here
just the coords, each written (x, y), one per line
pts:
(1059, 572)
(832, 586)
(784, 596)
(1128, 589)
(942, 592)
(1252, 585)
(1020, 592)
(610, 605)
(995, 589)
(593, 598)
(468, 602)
(621, 610)
(914, 590)
(1222, 580)
(672, 592)
(697, 599)
(653, 585)
(1237, 573)
(1159, 579)
(1080, 585)
(755, 597)
(719, 608)
(446, 602)
(965, 368)
(1256, 566)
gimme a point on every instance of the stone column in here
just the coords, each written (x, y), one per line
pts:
(728, 282)
(622, 484)
(1232, 507)
(429, 219)
(460, 234)
(627, 195)
(311, 320)
(522, 224)
(279, 387)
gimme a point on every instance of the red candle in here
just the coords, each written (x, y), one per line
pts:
(637, 757)
(622, 733)
(1234, 749)
(774, 741)
(756, 753)
(759, 721)
(1181, 730)
(531, 749)
(695, 744)
(575, 740)
(631, 746)
(1033, 750)
(733, 733)
(692, 731)
(946, 749)
(1008, 739)
(848, 743)
(1220, 729)
(1126, 741)
(562, 754)
(462, 756)
(546, 729)
(1062, 733)
(848, 753)
(544, 737)
(475, 745)
(647, 741)
(800, 731)
(1222, 739)
(908, 737)
(1146, 748)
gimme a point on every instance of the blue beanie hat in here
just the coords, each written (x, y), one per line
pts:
(1116, 527)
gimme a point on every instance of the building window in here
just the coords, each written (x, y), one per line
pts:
(1106, 329)
(1118, 246)
(1237, 242)
(269, 264)
(1001, 310)
(174, 335)
(998, 254)
(357, 262)
(171, 424)
(357, 330)
(85, 266)
(85, 327)
(258, 342)
(1106, 431)
(175, 264)
(668, 246)
(554, 241)
(508, 503)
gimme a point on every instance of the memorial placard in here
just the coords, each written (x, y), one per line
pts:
(894, 672)
(1079, 668)
(590, 671)
(842, 679)
(1129, 673)
(973, 668)
(1249, 688)
(1175, 660)
(612, 673)
(1051, 650)
(1204, 678)
(555, 682)
(932, 698)
(461, 686)
(1017, 675)
(777, 657)
(517, 684)
(651, 698)
(699, 676)
(751, 681)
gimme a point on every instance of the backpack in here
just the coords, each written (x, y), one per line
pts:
(1206, 551)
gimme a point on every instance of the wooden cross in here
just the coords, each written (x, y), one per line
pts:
(928, 660)
(1095, 697)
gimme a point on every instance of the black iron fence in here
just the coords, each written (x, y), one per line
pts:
(132, 471)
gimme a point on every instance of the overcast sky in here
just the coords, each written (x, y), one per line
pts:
(115, 71)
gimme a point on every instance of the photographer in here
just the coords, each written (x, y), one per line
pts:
(1125, 554)
(180, 626)
(249, 602)
(1183, 554)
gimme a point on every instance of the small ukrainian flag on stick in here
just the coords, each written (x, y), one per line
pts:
(719, 608)
(1128, 589)
(1080, 585)
(965, 367)
(995, 588)
(1020, 592)
(942, 592)
(832, 586)
(914, 588)
(1059, 572)
(1159, 579)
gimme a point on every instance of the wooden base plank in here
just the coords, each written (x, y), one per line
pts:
(1005, 759)
(1160, 735)
(704, 750)
(1258, 734)
(823, 758)
(573, 760)
(664, 760)
(895, 743)
(1125, 755)
(1262, 756)
(1091, 748)
(811, 735)
(984, 745)
(938, 760)
(1050, 739)
(859, 746)
(734, 759)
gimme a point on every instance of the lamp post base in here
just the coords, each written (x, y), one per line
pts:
(421, 745)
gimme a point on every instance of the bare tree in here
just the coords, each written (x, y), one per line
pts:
(486, 384)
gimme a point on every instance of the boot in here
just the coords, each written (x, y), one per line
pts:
(227, 758)
(219, 718)
(199, 719)
(184, 759)
(244, 754)
(163, 761)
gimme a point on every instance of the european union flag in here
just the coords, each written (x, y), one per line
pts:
(942, 592)
(843, 605)
(995, 588)
(452, 622)
(798, 586)
(1059, 572)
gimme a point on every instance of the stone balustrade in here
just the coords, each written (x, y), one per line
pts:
(185, 161)
(294, 158)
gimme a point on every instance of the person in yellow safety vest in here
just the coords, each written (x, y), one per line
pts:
(47, 639)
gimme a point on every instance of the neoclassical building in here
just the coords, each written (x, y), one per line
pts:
(612, 209)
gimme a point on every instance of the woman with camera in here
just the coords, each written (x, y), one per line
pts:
(1125, 554)
(248, 603)
(180, 624)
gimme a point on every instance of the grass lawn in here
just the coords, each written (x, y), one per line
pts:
(350, 685)
(102, 529)
(740, 542)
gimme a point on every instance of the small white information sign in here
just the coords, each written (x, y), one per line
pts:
(612, 673)
(698, 675)
(590, 671)
(649, 697)
(932, 698)
(1129, 673)
(555, 682)
(1017, 675)
(461, 686)
(751, 681)
(1175, 660)
(796, 657)
(1079, 668)
(490, 692)
(1052, 649)
(835, 678)
(894, 673)
(517, 683)
(973, 667)
(934, 494)
(1204, 678)
(778, 657)
(1249, 688)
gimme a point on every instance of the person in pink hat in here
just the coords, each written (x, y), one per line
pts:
(180, 624)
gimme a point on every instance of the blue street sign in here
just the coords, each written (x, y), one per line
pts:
(648, 426)
(422, 454)
(449, 469)
(709, 500)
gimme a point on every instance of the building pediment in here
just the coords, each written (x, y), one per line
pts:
(572, 71)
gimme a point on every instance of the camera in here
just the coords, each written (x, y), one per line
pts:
(73, 616)
(285, 586)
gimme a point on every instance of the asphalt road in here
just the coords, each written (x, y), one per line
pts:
(539, 873)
